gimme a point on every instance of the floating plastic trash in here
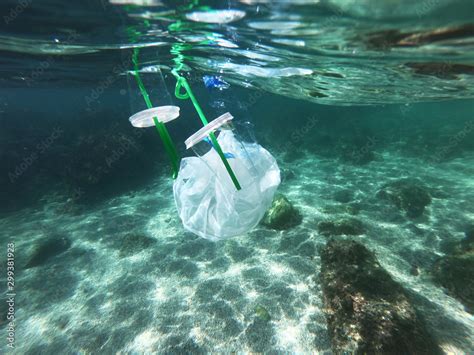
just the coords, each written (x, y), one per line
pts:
(215, 82)
(137, 2)
(252, 70)
(207, 200)
(216, 16)
(163, 114)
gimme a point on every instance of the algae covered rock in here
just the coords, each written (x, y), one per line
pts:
(408, 195)
(455, 272)
(367, 311)
(343, 226)
(47, 249)
(282, 214)
(262, 313)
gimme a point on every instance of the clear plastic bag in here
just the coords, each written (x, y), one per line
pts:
(209, 204)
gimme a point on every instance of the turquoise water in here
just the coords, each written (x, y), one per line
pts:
(367, 108)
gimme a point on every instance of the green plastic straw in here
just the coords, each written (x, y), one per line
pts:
(160, 127)
(183, 83)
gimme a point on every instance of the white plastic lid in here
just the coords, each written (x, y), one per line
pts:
(163, 114)
(216, 16)
(207, 129)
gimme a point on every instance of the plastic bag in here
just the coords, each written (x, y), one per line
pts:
(208, 203)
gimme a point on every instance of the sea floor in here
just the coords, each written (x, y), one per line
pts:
(134, 281)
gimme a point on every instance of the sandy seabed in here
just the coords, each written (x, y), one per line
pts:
(111, 292)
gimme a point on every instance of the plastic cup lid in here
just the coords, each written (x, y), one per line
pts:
(207, 129)
(163, 114)
(216, 16)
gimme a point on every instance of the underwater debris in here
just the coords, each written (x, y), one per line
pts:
(343, 226)
(282, 214)
(216, 16)
(367, 311)
(163, 114)
(455, 271)
(215, 82)
(205, 186)
(47, 249)
(408, 195)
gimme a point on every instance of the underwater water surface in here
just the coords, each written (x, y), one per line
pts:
(366, 106)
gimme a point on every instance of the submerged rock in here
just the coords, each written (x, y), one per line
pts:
(343, 196)
(455, 272)
(367, 311)
(408, 195)
(262, 313)
(347, 226)
(414, 270)
(282, 214)
(46, 250)
(134, 243)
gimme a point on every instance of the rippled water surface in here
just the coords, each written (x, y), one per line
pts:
(332, 52)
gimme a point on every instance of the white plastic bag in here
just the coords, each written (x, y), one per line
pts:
(208, 203)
